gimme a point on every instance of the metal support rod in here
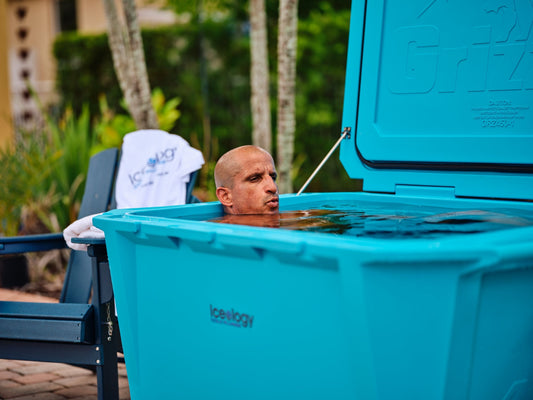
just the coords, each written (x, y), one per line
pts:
(345, 132)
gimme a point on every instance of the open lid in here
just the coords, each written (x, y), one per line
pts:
(440, 93)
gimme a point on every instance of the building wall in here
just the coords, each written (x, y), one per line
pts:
(91, 17)
(31, 30)
(27, 32)
(6, 129)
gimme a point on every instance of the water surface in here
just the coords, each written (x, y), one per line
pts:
(390, 223)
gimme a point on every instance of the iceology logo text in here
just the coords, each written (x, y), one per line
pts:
(146, 174)
(230, 317)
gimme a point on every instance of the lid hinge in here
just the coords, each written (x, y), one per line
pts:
(447, 192)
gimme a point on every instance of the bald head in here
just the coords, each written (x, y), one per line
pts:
(234, 161)
(246, 181)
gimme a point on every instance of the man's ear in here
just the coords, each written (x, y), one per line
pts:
(224, 196)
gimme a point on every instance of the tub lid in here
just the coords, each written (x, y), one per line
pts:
(440, 93)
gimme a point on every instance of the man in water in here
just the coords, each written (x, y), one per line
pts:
(245, 179)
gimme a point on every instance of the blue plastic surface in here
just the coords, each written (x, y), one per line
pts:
(322, 316)
(441, 93)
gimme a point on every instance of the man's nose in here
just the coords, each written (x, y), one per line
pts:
(270, 185)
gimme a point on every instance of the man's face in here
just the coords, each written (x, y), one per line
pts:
(254, 189)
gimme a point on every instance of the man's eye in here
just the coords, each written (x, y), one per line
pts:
(274, 177)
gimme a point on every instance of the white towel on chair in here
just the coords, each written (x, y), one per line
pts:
(82, 228)
(154, 169)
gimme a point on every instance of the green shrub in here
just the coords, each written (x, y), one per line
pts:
(321, 65)
(111, 127)
(44, 175)
(25, 174)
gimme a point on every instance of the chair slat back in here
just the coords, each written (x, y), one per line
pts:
(96, 199)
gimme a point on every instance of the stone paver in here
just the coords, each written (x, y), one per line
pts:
(35, 368)
(7, 375)
(17, 391)
(41, 396)
(85, 390)
(34, 378)
(8, 384)
(76, 381)
(31, 380)
(66, 371)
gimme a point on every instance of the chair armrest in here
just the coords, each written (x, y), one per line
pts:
(96, 248)
(30, 243)
(89, 241)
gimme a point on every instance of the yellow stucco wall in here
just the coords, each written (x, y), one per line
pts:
(27, 32)
(90, 16)
(6, 128)
(31, 32)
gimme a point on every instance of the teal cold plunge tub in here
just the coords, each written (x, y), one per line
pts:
(218, 311)
(427, 296)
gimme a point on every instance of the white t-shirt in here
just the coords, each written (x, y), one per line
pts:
(154, 169)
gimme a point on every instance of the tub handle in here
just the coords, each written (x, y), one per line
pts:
(292, 247)
(197, 234)
(206, 234)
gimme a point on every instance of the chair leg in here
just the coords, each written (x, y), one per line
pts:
(107, 370)
(107, 376)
